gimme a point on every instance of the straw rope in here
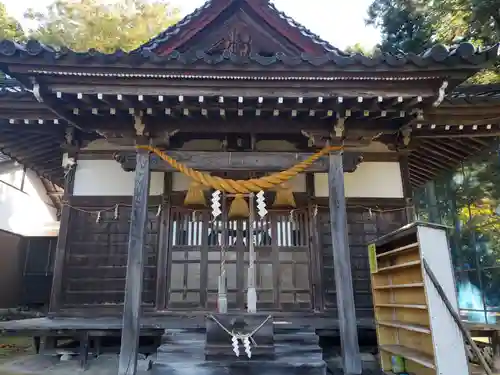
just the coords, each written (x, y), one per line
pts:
(242, 186)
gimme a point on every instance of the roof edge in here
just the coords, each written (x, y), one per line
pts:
(463, 55)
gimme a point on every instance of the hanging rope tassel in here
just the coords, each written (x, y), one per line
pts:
(239, 208)
(195, 196)
(284, 197)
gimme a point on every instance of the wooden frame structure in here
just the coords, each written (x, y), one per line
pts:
(412, 321)
(267, 80)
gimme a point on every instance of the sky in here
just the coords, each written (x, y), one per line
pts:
(340, 22)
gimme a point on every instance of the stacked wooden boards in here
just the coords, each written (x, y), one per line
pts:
(412, 321)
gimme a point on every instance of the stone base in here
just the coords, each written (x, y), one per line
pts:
(239, 368)
(295, 351)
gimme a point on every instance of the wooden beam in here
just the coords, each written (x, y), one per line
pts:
(453, 132)
(135, 267)
(238, 161)
(252, 125)
(231, 88)
(342, 267)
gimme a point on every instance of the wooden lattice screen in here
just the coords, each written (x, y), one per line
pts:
(282, 261)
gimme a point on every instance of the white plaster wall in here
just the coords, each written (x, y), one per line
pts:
(369, 180)
(28, 212)
(107, 178)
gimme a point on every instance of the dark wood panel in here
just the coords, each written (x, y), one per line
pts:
(96, 255)
(363, 227)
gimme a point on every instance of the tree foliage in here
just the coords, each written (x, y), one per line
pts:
(404, 24)
(10, 28)
(468, 200)
(414, 25)
(358, 48)
(98, 24)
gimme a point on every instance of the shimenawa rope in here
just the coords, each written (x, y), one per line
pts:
(242, 186)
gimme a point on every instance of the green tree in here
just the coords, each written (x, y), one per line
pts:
(414, 25)
(358, 48)
(9, 27)
(404, 24)
(101, 25)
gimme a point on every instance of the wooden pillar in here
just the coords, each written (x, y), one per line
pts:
(135, 267)
(407, 188)
(62, 239)
(314, 247)
(351, 357)
(164, 242)
(430, 192)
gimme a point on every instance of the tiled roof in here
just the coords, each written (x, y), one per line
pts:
(173, 30)
(438, 56)
(474, 93)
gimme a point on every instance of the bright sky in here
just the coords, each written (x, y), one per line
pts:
(341, 22)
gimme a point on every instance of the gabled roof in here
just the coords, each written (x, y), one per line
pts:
(175, 36)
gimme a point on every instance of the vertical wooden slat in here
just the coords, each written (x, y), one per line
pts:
(135, 267)
(240, 263)
(205, 220)
(164, 243)
(342, 267)
(184, 242)
(316, 256)
(62, 243)
(276, 260)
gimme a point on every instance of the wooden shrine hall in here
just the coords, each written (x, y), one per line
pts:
(236, 90)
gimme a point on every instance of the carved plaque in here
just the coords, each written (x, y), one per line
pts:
(238, 41)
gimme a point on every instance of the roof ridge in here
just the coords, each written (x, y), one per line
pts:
(175, 29)
(307, 32)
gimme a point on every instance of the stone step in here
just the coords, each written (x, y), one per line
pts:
(278, 328)
(283, 350)
(303, 349)
(178, 356)
(240, 367)
(179, 346)
(299, 339)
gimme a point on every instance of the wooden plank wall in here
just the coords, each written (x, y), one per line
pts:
(96, 256)
(363, 227)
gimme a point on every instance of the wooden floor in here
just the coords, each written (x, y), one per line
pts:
(175, 321)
